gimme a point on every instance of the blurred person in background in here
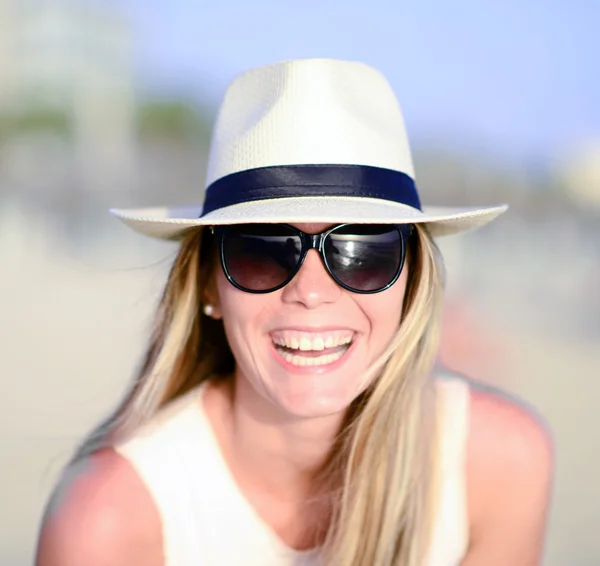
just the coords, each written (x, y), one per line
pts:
(287, 412)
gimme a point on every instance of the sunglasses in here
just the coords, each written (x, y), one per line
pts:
(362, 258)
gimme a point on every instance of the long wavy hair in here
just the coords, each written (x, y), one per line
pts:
(381, 473)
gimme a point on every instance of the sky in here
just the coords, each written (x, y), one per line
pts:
(513, 77)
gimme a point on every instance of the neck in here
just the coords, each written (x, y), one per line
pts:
(278, 453)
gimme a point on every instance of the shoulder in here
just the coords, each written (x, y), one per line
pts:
(509, 465)
(507, 437)
(503, 433)
(100, 514)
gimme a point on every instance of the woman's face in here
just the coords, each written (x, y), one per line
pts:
(307, 348)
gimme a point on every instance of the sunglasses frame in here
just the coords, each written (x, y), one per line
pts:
(314, 241)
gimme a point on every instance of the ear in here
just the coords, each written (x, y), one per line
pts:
(210, 299)
(211, 311)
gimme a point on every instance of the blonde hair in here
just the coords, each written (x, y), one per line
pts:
(381, 471)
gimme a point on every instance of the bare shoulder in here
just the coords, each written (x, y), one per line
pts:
(507, 435)
(100, 514)
(510, 460)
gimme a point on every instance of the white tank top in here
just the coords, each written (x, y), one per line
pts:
(206, 519)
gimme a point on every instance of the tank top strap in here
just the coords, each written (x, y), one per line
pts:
(451, 529)
(454, 394)
(159, 453)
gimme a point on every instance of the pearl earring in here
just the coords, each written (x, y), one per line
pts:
(208, 310)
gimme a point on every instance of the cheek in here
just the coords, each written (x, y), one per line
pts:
(232, 309)
(243, 314)
(227, 294)
(384, 310)
(236, 307)
(388, 313)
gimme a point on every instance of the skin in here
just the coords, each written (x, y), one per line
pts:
(275, 427)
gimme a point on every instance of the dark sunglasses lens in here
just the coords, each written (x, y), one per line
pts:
(260, 257)
(365, 257)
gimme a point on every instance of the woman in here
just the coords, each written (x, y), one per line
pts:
(287, 412)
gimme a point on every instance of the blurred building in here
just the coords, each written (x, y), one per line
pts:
(66, 66)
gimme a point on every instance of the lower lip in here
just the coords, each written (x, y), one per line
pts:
(313, 369)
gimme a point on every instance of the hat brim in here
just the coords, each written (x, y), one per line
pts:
(172, 223)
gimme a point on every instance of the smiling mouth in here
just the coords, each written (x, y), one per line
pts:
(312, 349)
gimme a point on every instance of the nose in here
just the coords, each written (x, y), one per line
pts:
(312, 286)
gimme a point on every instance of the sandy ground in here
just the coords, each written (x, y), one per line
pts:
(72, 328)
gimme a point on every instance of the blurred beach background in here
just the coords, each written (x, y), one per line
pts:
(110, 104)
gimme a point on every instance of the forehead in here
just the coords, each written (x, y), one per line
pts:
(313, 227)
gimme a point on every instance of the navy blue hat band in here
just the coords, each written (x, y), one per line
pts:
(311, 180)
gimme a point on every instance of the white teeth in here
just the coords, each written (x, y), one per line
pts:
(310, 341)
(306, 361)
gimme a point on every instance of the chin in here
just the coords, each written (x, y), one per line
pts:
(311, 401)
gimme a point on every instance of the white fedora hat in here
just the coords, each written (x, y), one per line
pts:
(314, 140)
